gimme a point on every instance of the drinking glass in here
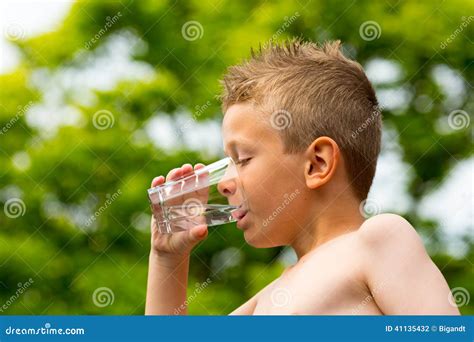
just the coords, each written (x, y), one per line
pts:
(199, 198)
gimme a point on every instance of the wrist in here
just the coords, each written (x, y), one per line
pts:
(168, 260)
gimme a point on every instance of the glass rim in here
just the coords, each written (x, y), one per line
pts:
(207, 168)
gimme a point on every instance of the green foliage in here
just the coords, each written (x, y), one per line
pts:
(82, 166)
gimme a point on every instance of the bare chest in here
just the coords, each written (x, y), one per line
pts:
(320, 286)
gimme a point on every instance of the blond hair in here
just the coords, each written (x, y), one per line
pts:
(317, 91)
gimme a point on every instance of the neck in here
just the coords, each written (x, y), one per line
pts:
(329, 224)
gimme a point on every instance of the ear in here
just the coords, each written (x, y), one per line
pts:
(321, 160)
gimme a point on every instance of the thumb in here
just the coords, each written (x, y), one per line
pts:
(197, 234)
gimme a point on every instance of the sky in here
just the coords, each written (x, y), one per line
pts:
(22, 19)
(451, 203)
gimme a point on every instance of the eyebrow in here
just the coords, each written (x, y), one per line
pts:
(233, 144)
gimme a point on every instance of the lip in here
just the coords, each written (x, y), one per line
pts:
(240, 215)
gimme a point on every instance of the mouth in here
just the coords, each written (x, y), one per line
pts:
(239, 215)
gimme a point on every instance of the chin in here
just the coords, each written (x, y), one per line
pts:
(258, 239)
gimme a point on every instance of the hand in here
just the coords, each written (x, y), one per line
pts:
(178, 244)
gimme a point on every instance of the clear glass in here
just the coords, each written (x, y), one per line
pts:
(200, 198)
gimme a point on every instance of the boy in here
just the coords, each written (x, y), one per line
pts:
(302, 119)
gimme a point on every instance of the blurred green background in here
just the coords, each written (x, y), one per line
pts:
(117, 92)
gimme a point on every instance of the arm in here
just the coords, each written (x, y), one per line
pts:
(166, 286)
(169, 261)
(401, 276)
(247, 308)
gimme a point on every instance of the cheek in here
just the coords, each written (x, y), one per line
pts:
(275, 209)
(271, 191)
(266, 182)
(261, 191)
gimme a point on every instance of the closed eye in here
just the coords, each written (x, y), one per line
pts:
(243, 162)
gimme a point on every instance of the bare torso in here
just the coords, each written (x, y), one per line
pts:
(327, 281)
(381, 268)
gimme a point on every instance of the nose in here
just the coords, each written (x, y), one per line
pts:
(227, 187)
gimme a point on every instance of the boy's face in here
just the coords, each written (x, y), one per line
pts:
(273, 182)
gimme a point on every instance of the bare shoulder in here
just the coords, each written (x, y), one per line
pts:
(399, 272)
(389, 231)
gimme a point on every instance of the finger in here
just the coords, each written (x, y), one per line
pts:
(157, 181)
(202, 187)
(188, 184)
(187, 169)
(154, 197)
(191, 187)
(186, 240)
(174, 174)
